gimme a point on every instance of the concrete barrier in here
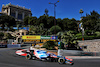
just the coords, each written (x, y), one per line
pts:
(79, 53)
(60, 52)
(71, 53)
(13, 46)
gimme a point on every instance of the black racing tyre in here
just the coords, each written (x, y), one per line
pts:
(28, 56)
(61, 61)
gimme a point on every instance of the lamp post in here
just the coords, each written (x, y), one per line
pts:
(54, 15)
(82, 31)
(81, 11)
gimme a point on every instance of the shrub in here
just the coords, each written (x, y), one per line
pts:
(89, 32)
(50, 45)
(86, 37)
(1, 35)
(79, 34)
(97, 33)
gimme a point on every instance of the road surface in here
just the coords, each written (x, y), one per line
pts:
(8, 58)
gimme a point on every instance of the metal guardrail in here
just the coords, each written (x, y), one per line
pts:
(13, 46)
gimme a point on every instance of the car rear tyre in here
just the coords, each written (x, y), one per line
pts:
(61, 61)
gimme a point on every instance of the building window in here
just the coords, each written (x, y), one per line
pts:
(19, 16)
(13, 14)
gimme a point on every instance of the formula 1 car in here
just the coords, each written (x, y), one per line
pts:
(44, 56)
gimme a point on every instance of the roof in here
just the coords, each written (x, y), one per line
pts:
(17, 6)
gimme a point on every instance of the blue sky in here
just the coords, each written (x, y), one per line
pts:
(65, 8)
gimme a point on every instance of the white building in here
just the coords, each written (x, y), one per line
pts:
(19, 13)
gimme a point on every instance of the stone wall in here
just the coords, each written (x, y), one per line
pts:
(90, 45)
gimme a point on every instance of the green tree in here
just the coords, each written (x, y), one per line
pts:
(81, 11)
(1, 35)
(43, 19)
(34, 29)
(34, 21)
(97, 26)
(50, 22)
(50, 45)
(29, 20)
(60, 34)
(6, 20)
(26, 20)
(59, 23)
(58, 29)
(65, 21)
(70, 39)
(90, 21)
(42, 30)
(72, 25)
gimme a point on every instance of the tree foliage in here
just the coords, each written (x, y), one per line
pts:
(7, 21)
(48, 24)
(70, 39)
(90, 22)
(54, 29)
(50, 45)
(1, 35)
(30, 20)
(81, 11)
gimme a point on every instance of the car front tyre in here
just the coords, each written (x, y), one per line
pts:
(29, 57)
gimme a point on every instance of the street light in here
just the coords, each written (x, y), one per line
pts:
(82, 31)
(54, 14)
(81, 11)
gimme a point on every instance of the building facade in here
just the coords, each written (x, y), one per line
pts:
(2, 14)
(19, 13)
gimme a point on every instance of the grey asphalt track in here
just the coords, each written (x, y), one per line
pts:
(8, 58)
